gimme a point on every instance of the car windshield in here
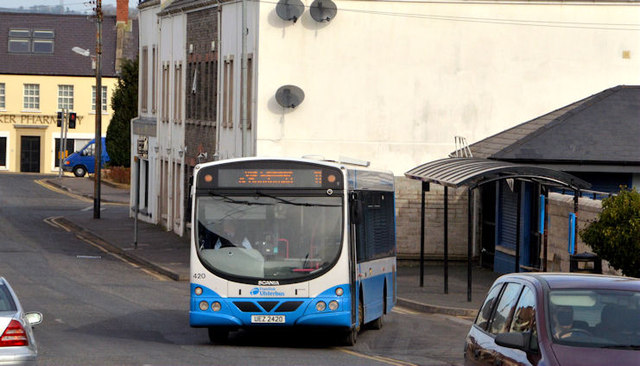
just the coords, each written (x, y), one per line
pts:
(268, 236)
(595, 318)
(6, 301)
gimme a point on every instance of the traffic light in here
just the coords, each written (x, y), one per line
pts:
(59, 119)
(72, 120)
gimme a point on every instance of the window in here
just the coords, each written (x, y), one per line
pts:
(501, 320)
(202, 84)
(227, 108)
(485, 311)
(249, 90)
(3, 104)
(177, 94)
(3, 151)
(524, 318)
(65, 97)
(154, 71)
(374, 239)
(69, 150)
(165, 93)
(28, 41)
(31, 96)
(104, 98)
(144, 64)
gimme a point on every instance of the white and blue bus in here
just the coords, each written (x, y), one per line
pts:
(291, 242)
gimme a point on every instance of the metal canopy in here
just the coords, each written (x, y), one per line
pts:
(473, 172)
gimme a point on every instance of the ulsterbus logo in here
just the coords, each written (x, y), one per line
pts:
(265, 291)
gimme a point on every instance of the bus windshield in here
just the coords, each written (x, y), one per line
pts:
(268, 236)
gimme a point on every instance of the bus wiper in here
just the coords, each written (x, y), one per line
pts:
(242, 202)
(288, 202)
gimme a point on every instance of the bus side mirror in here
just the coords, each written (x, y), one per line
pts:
(355, 208)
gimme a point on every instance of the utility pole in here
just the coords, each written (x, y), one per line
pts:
(98, 137)
(243, 81)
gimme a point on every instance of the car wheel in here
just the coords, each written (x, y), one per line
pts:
(79, 171)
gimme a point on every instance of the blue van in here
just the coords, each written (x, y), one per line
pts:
(83, 161)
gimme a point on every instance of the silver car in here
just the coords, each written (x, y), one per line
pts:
(17, 344)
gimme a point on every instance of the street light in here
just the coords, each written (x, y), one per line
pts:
(81, 51)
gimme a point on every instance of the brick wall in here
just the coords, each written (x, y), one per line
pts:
(201, 106)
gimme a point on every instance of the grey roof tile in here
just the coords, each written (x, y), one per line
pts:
(603, 128)
(70, 31)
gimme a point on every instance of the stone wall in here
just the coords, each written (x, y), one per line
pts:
(559, 208)
(408, 202)
(408, 224)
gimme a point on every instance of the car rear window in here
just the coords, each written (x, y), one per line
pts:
(6, 301)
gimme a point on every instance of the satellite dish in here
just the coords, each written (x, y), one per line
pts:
(290, 9)
(323, 10)
(289, 96)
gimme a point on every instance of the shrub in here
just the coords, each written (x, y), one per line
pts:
(125, 107)
(615, 234)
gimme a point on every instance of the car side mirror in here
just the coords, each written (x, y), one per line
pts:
(33, 318)
(514, 340)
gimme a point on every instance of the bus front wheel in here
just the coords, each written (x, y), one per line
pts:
(218, 335)
(350, 337)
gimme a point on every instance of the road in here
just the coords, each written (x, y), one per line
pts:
(101, 310)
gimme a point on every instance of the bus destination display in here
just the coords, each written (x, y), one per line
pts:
(295, 178)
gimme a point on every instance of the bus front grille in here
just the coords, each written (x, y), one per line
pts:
(247, 307)
(284, 307)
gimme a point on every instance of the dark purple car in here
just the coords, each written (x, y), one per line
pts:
(557, 319)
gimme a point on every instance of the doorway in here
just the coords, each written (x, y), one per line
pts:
(488, 212)
(30, 154)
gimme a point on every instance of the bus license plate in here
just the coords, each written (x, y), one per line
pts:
(267, 319)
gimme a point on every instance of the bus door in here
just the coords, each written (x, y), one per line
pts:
(355, 212)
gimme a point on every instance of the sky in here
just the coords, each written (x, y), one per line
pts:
(77, 5)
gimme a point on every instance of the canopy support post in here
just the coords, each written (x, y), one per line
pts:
(518, 188)
(425, 188)
(469, 241)
(446, 239)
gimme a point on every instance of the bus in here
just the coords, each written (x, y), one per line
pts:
(291, 243)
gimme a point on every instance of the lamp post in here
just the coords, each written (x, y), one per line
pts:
(98, 134)
(98, 137)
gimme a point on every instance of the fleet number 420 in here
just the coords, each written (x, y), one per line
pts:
(199, 276)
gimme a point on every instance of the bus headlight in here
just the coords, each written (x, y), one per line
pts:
(215, 306)
(204, 305)
(321, 305)
(339, 291)
(333, 305)
(198, 291)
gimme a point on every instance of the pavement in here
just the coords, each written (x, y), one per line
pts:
(167, 254)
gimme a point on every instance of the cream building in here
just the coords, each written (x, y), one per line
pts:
(40, 75)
